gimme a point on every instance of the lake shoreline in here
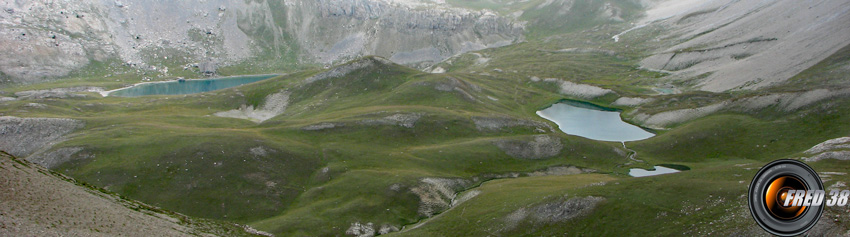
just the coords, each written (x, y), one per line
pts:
(603, 108)
(108, 92)
(593, 121)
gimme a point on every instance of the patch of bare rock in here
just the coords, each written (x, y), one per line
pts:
(22, 137)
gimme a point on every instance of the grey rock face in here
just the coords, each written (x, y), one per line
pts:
(750, 44)
(361, 230)
(24, 136)
(830, 149)
(578, 90)
(632, 101)
(436, 194)
(47, 39)
(409, 33)
(387, 228)
(274, 105)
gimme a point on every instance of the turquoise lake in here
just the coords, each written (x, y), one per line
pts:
(593, 122)
(187, 86)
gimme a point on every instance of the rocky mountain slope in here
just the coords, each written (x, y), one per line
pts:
(751, 44)
(36, 202)
(50, 39)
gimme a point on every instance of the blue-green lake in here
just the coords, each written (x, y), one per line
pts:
(593, 122)
(183, 87)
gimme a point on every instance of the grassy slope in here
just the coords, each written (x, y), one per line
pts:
(627, 202)
(708, 200)
(56, 185)
(176, 169)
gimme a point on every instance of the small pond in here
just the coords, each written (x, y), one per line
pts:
(182, 87)
(636, 172)
(593, 122)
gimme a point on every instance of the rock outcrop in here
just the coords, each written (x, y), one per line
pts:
(578, 90)
(274, 105)
(632, 101)
(437, 194)
(838, 148)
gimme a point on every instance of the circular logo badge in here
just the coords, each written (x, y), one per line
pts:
(769, 194)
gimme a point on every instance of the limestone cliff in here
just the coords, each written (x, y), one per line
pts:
(49, 39)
